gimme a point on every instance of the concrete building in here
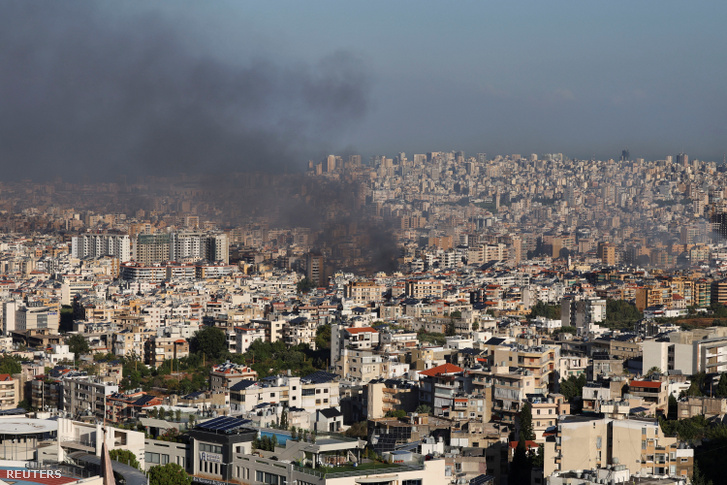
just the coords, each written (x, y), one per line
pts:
(9, 392)
(688, 352)
(82, 396)
(224, 376)
(582, 314)
(584, 443)
(99, 245)
(314, 391)
(37, 317)
(152, 248)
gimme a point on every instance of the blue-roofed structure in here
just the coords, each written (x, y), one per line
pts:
(319, 377)
(224, 424)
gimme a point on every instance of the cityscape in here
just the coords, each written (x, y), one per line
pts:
(237, 253)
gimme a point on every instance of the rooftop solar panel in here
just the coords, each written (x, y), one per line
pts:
(224, 424)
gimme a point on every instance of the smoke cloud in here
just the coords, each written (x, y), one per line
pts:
(86, 94)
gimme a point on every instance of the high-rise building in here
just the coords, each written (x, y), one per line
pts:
(99, 245)
(607, 253)
(152, 248)
(314, 269)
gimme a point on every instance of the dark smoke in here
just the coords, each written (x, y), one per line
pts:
(85, 96)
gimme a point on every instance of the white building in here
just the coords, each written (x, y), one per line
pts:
(99, 245)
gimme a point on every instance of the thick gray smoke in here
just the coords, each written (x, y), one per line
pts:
(85, 96)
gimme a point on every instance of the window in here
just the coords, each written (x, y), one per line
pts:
(165, 459)
(210, 448)
(151, 457)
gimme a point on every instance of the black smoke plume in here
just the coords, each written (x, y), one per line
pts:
(91, 95)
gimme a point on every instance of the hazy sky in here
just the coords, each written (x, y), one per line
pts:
(578, 77)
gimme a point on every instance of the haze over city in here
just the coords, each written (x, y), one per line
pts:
(98, 89)
(345, 243)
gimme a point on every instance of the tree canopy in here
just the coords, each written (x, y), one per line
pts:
(541, 309)
(210, 341)
(126, 457)
(9, 364)
(169, 474)
(323, 337)
(572, 387)
(621, 314)
(78, 345)
(525, 419)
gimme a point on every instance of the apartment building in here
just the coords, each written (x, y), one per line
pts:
(158, 349)
(314, 391)
(9, 392)
(364, 292)
(440, 385)
(424, 288)
(85, 396)
(584, 443)
(224, 376)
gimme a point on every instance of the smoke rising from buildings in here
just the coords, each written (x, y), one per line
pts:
(93, 96)
(90, 95)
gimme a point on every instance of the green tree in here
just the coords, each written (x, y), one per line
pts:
(698, 477)
(305, 285)
(66, 319)
(190, 420)
(525, 419)
(293, 433)
(718, 310)
(178, 415)
(399, 413)
(169, 474)
(566, 329)
(652, 371)
(541, 309)
(572, 387)
(423, 409)
(520, 466)
(673, 408)
(284, 419)
(126, 457)
(358, 430)
(621, 314)
(323, 337)
(698, 382)
(9, 364)
(721, 390)
(78, 345)
(210, 341)
(538, 459)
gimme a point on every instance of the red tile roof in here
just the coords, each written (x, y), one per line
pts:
(354, 330)
(650, 384)
(441, 369)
